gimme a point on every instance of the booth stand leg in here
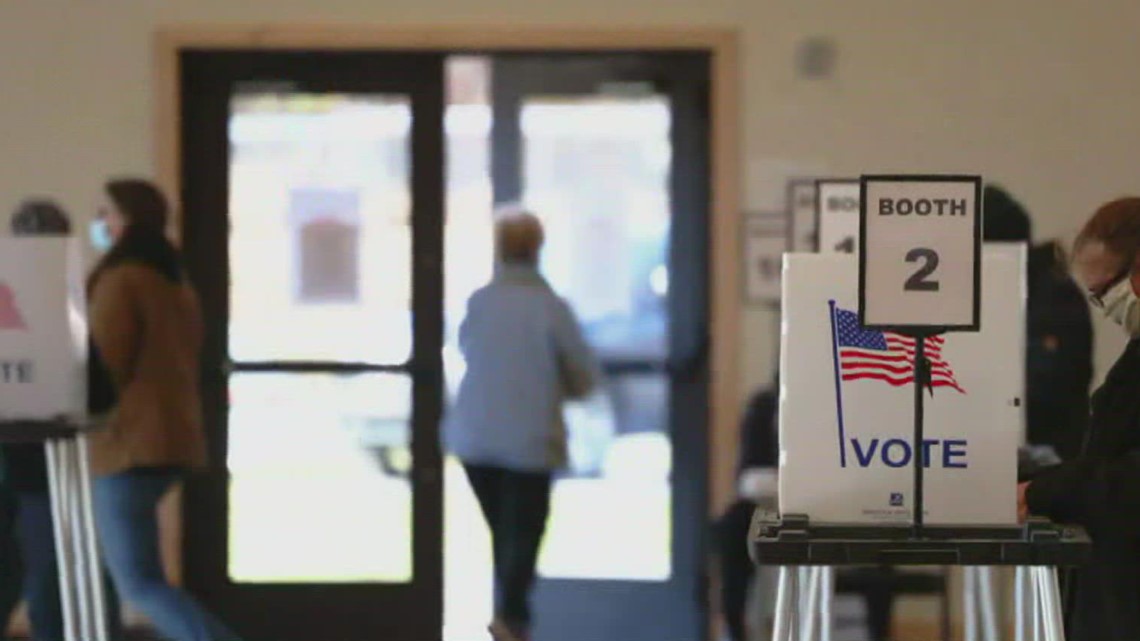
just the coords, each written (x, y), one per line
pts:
(985, 577)
(1049, 602)
(970, 603)
(787, 605)
(811, 613)
(58, 483)
(80, 571)
(827, 602)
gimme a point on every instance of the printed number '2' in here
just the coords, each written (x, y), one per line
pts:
(920, 281)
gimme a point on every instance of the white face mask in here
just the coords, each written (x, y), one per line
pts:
(100, 232)
(1123, 307)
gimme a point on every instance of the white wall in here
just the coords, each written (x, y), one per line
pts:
(1038, 95)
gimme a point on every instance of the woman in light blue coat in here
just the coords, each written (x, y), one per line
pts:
(525, 356)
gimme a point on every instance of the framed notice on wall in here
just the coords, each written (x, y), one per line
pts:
(837, 215)
(802, 215)
(765, 240)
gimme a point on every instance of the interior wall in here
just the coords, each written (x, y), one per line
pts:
(1031, 95)
(1038, 95)
(1035, 95)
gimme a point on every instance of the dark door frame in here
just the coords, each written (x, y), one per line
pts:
(307, 611)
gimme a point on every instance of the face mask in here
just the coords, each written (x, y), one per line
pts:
(1122, 306)
(100, 235)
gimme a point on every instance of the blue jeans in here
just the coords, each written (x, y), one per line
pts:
(41, 571)
(126, 514)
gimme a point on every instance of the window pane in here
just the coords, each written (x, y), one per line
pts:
(621, 461)
(596, 170)
(318, 478)
(320, 243)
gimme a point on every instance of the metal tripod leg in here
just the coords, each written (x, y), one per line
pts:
(1049, 598)
(1023, 602)
(827, 601)
(89, 536)
(810, 616)
(80, 572)
(83, 564)
(985, 578)
(970, 603)
(787, 605)
(980, 609)
(61, 528)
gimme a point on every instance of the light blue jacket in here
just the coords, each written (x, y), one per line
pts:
(525, 356)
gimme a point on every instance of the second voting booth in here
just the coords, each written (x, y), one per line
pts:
(43, 399)
(901, 377)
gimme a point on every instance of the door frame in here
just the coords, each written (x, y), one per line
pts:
(725, 194)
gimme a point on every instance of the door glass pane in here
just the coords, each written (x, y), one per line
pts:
(596, 170)
(320, 242)
(319, 488)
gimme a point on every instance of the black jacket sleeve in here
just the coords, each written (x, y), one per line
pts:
(1090, 493)
(759, 446)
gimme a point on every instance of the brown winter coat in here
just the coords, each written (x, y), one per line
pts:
(148, 331)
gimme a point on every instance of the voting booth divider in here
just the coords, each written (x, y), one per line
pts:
(901, 384)
(43, 399)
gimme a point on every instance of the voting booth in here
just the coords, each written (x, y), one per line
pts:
(43, 398)
(43, 339)
(901, 384)
(846, 402)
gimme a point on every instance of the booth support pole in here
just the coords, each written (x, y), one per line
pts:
(921, 382)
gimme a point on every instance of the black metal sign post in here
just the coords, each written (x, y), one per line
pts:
(920, 274)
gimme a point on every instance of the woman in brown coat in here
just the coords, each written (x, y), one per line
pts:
(146, 332)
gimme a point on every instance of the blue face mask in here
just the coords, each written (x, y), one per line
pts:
(100, 235)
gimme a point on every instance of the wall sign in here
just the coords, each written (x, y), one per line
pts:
(765, 241)
(920, 252)
(802, 216)
(837, 215)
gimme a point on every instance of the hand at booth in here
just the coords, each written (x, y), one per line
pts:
(1022, 504)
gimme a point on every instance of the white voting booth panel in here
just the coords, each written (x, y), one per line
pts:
(42, 337)
(847, 403)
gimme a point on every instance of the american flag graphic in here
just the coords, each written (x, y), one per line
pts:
(886, 356)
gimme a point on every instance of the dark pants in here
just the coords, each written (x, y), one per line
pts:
(10, 566)
(737, 572)
(41, 571)
(516, 505)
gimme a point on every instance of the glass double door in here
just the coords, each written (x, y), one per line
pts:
(333, 280)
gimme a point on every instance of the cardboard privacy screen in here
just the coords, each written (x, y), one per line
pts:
(847, 403)
(43, 339)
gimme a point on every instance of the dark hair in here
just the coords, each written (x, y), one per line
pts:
(144, 239)
(1116, 224)
(40, 217)
(1004, 218)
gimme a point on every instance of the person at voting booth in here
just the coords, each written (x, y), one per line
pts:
(146, 331)
(525, 355)
(1100, 489)
(26, 475)
(1059, 367)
